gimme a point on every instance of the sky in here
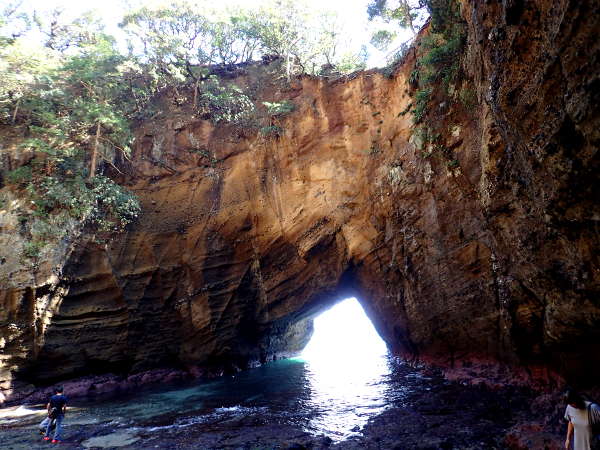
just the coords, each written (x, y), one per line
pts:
(352, 12)
(344, 332)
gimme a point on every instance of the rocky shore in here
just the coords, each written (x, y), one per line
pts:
(425, 411)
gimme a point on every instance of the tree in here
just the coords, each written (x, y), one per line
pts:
(96, 98)
(23, 68)
(61, 34)
(14, 23)
(169, 37)
(176, 37)
(282, 32)
(180, 36)
(407, 14)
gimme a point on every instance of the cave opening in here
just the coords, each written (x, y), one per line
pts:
(344, 333)
(346, 361)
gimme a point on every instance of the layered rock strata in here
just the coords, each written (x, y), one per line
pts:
(488, 257)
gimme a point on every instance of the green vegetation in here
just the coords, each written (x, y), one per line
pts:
(441, 58)
(74, 96)
(441, 47)
(453, 164)
(409, 14)
(274, 112)
(467, 97)
(392, 15)
(414, 77)
(437, 69)
(224, 103)
(271, 131)
(21, 176)
(279, 109)
(32, 249)
(421, 101)
(73, 110)
(181, 35)
(382, 39)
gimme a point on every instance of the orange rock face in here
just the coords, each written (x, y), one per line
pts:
(490, 257)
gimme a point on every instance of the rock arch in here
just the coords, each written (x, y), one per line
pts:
(243, 238)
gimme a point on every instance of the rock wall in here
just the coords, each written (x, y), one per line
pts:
(489, 259)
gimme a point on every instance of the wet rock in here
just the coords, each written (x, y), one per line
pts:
(532, 435)
(114, 440)
(429, 412)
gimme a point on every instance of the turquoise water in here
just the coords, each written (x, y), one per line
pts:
(343, 392)
(332, 389)
(290, 392)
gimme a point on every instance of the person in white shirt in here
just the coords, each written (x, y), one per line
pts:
(578, 423)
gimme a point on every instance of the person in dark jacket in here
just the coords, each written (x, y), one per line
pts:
(57, 407)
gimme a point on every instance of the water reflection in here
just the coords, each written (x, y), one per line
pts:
(340, 381)
(346, 363)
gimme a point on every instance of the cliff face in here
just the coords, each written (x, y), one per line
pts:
(490, 258)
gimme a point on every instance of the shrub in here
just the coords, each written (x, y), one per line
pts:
(20, 176)
(441, 61)
(114, 207)
(271, 130)
(442, 49)
(467, 97)
(453, 163)
(280, 109)
(225, 104)
(100, 202)
(421, 100)
(414, 77)
(45, 230)
(32, 249)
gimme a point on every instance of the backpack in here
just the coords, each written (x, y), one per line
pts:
(54, 413)
(594, 418)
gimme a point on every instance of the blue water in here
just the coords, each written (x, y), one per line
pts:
(339, 382)
(290, 392)
(332, 389)
(342, 380)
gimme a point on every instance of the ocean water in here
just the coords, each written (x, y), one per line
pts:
(342, 379)
(343, 392)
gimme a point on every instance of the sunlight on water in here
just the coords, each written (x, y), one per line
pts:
(346, 360)
(19, 411)
(340, 381)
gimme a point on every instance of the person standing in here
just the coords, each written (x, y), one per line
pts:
(578, 422)
(57, 407)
